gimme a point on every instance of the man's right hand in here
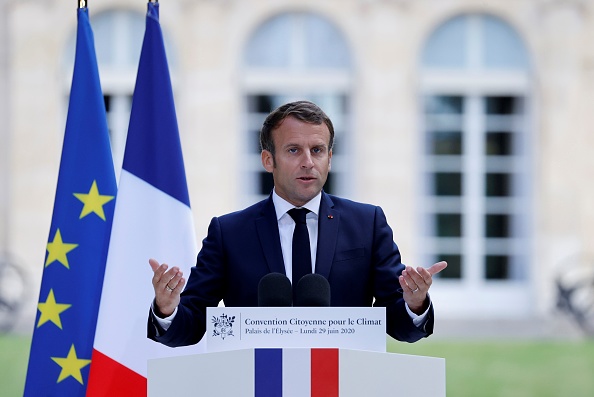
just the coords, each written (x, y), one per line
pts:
(168, 285)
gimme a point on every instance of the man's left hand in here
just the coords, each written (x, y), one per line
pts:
(415, 284)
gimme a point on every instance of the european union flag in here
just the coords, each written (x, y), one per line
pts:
(79, 237)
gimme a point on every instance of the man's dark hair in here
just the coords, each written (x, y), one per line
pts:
(301, 110)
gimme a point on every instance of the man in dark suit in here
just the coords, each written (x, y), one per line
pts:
(350, 243)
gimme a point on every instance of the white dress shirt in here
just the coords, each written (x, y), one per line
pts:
(286, 226)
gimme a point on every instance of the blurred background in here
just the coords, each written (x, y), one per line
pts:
(470, 122)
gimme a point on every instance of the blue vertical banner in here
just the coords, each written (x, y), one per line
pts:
(153, 148)
(268, 372)
(74, 266)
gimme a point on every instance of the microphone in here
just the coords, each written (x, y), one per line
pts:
(312, 290)
(274, 289)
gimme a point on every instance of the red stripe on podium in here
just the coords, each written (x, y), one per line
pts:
(110, 378)
(324, 372)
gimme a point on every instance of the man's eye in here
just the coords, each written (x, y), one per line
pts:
(293, 150)
(317, 150)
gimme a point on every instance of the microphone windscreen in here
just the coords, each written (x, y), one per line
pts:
(274, 289)
(313, 290)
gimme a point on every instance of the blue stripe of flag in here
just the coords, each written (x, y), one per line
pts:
(153, 149)
(268, 372)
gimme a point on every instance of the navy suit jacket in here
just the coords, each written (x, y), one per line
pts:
(356, 253)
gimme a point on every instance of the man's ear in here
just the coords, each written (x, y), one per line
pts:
(267, 160)
(330, 160)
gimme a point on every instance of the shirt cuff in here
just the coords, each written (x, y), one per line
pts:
(418, 319)
(164, 322)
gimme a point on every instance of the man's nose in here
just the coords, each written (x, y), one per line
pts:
(307, 161)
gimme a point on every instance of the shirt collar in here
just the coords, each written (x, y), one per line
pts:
(281, 206)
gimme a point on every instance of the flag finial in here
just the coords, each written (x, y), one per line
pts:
(82, 3)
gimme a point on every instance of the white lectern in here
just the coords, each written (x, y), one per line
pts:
(315, 372)
(282, 367)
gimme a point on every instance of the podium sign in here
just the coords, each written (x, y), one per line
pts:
(233, 328)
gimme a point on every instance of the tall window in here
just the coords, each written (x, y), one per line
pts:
(295, 56)
(475, 103)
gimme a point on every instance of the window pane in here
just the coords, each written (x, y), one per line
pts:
(499, 144)
(329, 185)
(297, 40)
(497, 267)
(505, 48)
(325, 46)
(268, 45)
(266, 103)
(498, 185)
(107, 101)
(449, 46)
(447, 184)
(118, 38)
(260, 104)
(446, 143)
(335, 105)
(266, 182)
(497, 226)
(502, 105)
(448, 225)
(446, 48)
(255, 141)
(444, 104)
(454, 269)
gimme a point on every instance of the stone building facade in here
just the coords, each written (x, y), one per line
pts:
(470, 122)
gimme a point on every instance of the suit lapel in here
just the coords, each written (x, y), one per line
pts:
(328, 222)
(267, 227)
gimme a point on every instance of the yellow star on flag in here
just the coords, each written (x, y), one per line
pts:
(71, 366)
(50, 310)
(58, 249)
(93, 202)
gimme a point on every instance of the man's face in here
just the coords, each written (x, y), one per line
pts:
(301, 162)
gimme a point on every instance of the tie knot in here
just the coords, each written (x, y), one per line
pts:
(298, 214)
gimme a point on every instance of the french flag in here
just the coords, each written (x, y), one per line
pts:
(296, 372)
(152, 219)
(259, 372)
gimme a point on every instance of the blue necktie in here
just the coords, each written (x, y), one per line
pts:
(301, 250)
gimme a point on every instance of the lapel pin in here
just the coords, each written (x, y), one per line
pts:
(330, 217)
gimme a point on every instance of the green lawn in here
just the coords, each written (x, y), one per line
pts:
(511, 368)
(14, 355)
(473, 369)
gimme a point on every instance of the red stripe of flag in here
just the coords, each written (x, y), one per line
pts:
(324, 372)
(110, 378)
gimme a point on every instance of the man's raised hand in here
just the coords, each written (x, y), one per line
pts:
(168, 285)
(415, 285)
